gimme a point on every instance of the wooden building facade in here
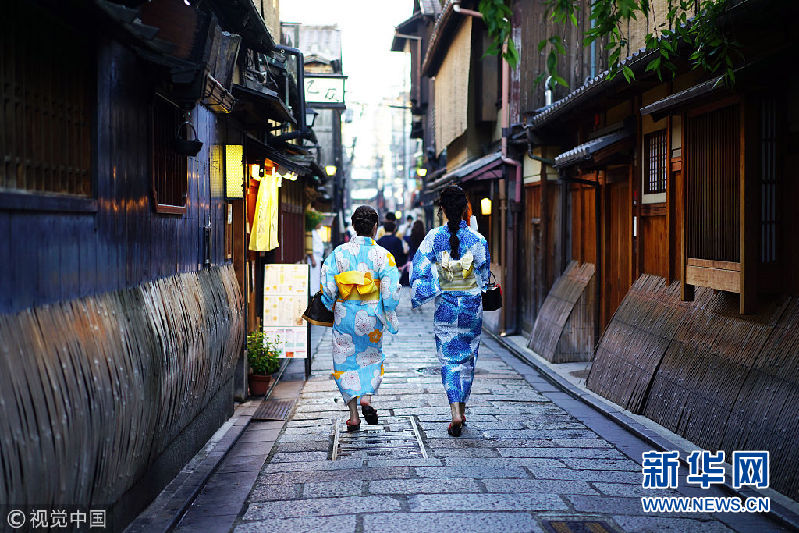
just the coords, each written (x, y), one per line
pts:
(123, 299)
(653, 233)
(677, 199)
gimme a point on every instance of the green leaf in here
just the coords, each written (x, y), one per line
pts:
(653, 65)
(542, 44)
(628, 73)
(559, 80)
(552, 61)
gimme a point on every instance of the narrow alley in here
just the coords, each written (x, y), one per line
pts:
(211, 209)
(531, 458)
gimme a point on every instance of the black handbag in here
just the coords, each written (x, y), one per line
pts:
(492, 295)
(317, 313)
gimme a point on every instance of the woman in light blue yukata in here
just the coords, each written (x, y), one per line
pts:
(360, 284)
(452, 267)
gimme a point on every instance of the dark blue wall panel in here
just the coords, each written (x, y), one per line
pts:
(52, 256)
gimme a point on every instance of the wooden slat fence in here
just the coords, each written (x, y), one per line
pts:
(93, 390)
(564, 328)
(720, 379)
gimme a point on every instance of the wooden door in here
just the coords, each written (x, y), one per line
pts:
(617, 273)
(530, 252)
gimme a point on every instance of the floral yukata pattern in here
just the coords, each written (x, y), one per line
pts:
(456, 286)
(360, 284)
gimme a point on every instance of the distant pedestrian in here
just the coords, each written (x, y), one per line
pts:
(405, 229)
(390, 217)
(394, 244)
(360, 284)
(452, 266)
(414, 239)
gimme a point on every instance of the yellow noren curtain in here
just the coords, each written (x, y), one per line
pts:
(265, 222)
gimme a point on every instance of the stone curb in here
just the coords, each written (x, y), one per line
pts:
(615, 413)
(164, 513)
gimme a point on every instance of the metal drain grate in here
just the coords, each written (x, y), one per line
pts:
(273, 410)
(429, 371)
(396, 437)
(436, 370)
(577, 526)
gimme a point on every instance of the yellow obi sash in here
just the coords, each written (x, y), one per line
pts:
(456, 275)
(356, 285)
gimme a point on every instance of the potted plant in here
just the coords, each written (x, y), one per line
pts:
(262, 355)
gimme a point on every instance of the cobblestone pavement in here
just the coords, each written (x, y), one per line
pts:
(529, 454)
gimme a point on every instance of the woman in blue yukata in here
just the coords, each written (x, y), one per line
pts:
(360, 284)
(452, 267)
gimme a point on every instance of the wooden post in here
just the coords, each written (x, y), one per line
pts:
(686, 290)
(309, 352)
(749, 201)
(670, 249)
(636, 195)
(544, 251)
(603, 227)
(635, 255)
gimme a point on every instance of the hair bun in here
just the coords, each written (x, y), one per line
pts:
(364, 219)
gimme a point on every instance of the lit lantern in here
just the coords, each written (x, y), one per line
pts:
(326, 233)
(398, 214)
(485, 206)
(421, 172)
(330, 170)
(234, 171)
(255, 171)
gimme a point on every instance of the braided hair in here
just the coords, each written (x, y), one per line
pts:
(453, 202)
(363, 220)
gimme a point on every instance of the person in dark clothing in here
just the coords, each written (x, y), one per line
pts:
(393, 244)
(414, 239)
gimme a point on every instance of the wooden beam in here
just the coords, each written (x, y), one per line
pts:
(707, 263)
(715, 278)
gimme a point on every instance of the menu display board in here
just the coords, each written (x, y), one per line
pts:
(285, 299)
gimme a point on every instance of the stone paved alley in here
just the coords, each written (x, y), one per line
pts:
(530, 453)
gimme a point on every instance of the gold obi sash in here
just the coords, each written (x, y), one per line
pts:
(456, 275)
(356, 285)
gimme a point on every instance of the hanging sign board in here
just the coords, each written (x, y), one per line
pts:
(324, 90)
(285, 299)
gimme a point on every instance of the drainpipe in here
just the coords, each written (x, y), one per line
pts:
(593, 44)
(511, 239)
(456, 7)
(548, 92)
(300, 83)
(418, 41)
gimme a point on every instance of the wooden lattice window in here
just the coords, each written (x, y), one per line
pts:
(712, 181)
(656, 150)
(170, 169)
(768, 180)
(46, 90)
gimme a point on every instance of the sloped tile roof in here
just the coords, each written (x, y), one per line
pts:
(585, 151)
